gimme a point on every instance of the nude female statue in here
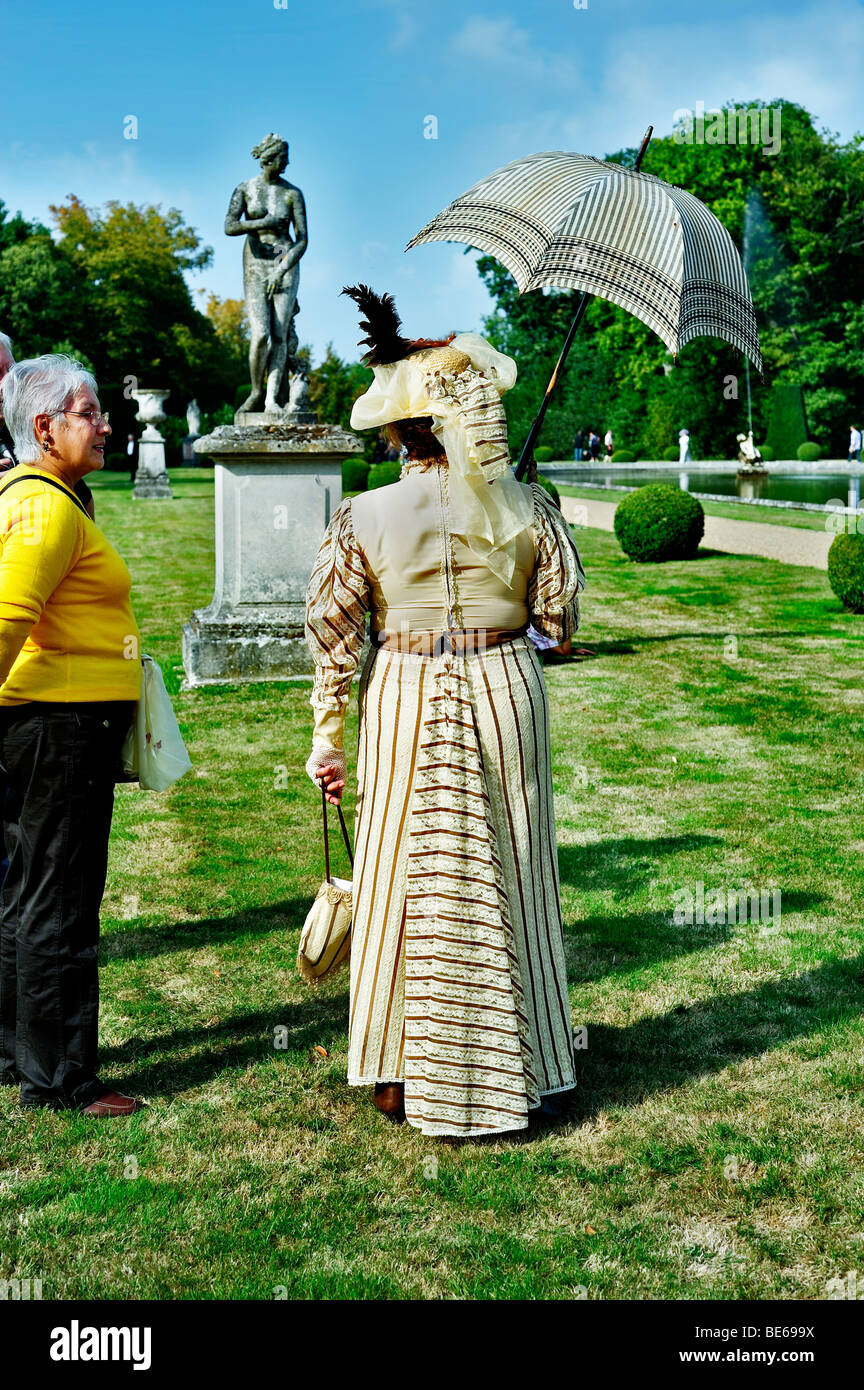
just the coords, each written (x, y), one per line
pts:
(264, 209)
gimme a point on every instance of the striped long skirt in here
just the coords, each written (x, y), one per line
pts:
(458, 978)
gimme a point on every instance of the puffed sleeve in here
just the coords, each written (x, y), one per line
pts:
(337, 601)
(558, 578)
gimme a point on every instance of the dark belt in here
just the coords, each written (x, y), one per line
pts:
(459, 641)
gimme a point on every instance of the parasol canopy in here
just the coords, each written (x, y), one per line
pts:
(580, 223)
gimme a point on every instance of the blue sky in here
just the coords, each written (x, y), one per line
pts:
(350, 85)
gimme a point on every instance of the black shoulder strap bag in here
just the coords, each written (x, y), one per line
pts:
(43, 478)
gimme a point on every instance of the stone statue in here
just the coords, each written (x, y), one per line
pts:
(264, 209)
(748, 455)
(193, 419)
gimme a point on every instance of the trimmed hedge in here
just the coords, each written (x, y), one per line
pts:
(671, 455)
(116, 463)
(382, 474)
(846, 570)
(659, 522)
(543, 454)
(355, 475)
(767, 453)
(551, 489)
(809, 453)
(623, 456)
(787, 424)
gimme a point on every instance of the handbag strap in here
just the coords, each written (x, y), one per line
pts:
(43, 478)
(327, 838)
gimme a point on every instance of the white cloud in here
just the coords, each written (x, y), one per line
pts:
(655, 70)
(502, 44)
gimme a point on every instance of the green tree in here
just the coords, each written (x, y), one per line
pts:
(799, 212)
(334, 386)
(113, 285)
(228, 317)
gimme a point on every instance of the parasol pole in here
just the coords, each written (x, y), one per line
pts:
(526, 458)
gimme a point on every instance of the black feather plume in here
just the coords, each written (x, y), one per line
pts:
(381, 324)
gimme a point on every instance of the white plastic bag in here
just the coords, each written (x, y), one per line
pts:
(154, 748)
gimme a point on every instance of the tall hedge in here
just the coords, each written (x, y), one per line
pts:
(787, 423)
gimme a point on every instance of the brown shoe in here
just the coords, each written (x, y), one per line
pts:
(112, 1103)
(390, 1100)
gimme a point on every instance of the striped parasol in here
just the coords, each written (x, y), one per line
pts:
(580, 223)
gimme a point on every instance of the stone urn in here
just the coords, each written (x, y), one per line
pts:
(151, 480)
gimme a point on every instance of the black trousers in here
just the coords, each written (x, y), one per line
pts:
(59, 763)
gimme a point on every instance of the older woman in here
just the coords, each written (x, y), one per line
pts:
(70, 674)
(459, 1007)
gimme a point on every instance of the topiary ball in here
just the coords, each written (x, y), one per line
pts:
(543, 454)
(767, 454)
(551, 489)
(659, 522)
(808, 453)
(671, 455)
(382, 474)
(846, 569)
(623, 456)
(355, 475)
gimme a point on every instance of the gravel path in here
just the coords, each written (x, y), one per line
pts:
(792, 544)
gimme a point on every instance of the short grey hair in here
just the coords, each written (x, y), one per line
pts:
(6, 342)
(39, 386)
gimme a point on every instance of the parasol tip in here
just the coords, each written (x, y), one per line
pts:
(646, 140)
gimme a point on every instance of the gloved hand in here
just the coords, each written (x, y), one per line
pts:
(322, 757)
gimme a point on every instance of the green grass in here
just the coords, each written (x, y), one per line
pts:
(715, 1148)
(736, 511)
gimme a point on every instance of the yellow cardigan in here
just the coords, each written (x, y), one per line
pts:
(67, 631)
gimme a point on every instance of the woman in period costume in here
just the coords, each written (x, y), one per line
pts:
(459, 1011)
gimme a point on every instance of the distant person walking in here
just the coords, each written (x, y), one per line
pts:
(594, 446)
(854, 445)
(609, 444)
(578, 445)
(684, 455)
(132, 457)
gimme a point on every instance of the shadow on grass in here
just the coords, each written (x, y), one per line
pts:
(630, 646)
(163, 1064)
(642, 938)
(595, 866)
(622, 1067)
(143, 942)
(625, 1066)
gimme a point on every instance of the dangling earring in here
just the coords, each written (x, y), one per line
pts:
(46, 447)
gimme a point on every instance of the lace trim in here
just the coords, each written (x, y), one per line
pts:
(421, 466)
(448, 562)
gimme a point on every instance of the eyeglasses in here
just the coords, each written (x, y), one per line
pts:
(93, 417)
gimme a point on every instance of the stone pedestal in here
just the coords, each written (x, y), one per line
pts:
(189, 442)
(277, 486)
(151, 480)
(258, 419)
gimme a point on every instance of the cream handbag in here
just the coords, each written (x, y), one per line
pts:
(325, 941)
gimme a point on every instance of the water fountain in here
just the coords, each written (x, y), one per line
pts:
(749, 458)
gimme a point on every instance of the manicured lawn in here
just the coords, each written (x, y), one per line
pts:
(715, 1148)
